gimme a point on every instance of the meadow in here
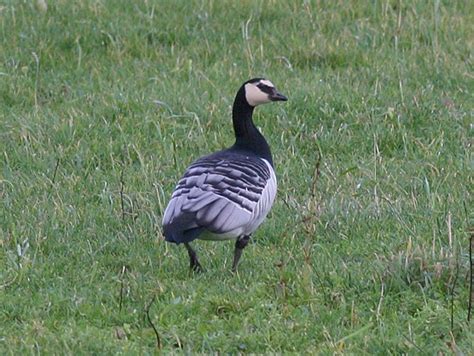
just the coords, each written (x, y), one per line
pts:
(103, 104)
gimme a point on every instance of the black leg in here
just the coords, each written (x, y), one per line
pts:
(239, 246)
(193, 260)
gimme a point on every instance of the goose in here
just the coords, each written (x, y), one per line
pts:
(227, 194)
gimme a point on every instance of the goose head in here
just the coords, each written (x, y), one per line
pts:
(261, 91)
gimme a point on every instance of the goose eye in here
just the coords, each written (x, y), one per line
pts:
(265, 88)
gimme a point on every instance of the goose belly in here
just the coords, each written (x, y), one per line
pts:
(212, 236)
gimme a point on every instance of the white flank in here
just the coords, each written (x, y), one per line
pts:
(265, 202)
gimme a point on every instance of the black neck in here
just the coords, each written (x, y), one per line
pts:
(247, 136)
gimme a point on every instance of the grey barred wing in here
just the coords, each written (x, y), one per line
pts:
(225, 194)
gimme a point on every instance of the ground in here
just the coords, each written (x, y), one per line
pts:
(104, 103)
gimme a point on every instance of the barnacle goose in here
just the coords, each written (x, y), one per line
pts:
(227, 194)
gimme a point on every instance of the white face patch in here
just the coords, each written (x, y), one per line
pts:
(267, 82)
(254, 95)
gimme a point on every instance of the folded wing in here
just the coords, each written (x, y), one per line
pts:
(223, 193)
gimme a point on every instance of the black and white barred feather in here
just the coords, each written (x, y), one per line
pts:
(221, 196)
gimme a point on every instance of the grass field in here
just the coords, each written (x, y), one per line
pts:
(104, 103)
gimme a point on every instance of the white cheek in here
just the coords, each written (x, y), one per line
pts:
(255, 96)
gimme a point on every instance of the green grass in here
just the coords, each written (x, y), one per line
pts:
(105, 103)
